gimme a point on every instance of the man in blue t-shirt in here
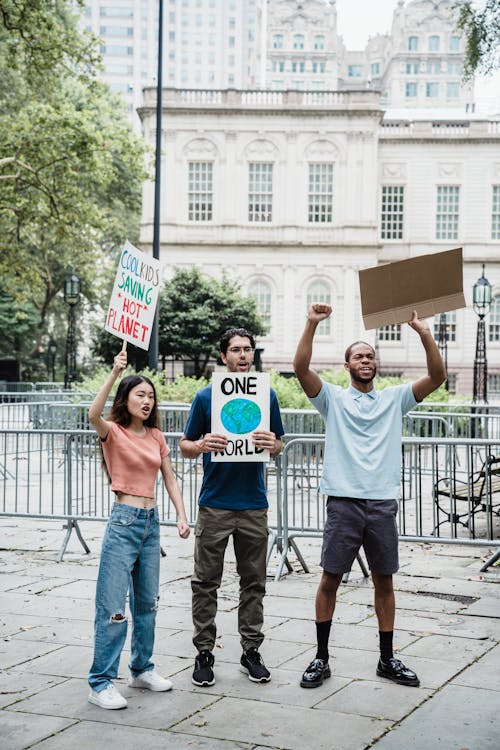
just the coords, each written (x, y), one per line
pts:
(232, 502)
(361, 477)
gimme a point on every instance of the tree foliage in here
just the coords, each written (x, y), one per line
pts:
(481, 28)
(195, 311)
(70, 166)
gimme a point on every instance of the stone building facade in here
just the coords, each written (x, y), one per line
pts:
(292, 193)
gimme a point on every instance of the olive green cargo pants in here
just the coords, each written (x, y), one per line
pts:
(249, 531)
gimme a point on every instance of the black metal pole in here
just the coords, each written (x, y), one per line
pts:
(70, 369)
(443, 343)
(480, 393)
(153, 343)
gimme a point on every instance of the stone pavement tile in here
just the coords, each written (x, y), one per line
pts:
(94, 735)
(145, 708)
(10, 581)
(282, 726)
(486, 607)
(19, 732)
(11, 624)
(462, 586)
(446, 647)
(483, 673)
(57, 587)
(290, 586)
(14, 653)
(17, 685)
(456, 718)
(409, 602)
(75, 661)
(362, 665)
(367, 698)
(304, 631)
(28, 605)
(58, 630)
(284, 686)
(461, 625)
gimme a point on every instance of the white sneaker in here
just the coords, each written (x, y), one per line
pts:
(150, 680)
(107, 698)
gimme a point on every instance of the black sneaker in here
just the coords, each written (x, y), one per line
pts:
(317, 671)
(396, 671)
(252, 664)
(203, 674)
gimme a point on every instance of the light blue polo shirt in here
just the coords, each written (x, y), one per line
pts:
(363, 440)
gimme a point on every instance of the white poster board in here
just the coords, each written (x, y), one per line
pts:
(240, 405)
(135, 294)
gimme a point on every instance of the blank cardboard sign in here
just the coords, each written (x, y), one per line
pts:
(429, 284)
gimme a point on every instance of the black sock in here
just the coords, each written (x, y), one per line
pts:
(385, 640)
(322, 635)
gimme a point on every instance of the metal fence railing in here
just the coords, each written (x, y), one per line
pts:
(450, 487)
(450, 493)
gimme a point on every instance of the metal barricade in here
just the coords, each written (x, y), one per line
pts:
(450, 493)
(60, 474)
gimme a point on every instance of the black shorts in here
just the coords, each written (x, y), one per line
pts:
(351, 524)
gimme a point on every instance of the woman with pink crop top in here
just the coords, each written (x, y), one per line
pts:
(134, 451)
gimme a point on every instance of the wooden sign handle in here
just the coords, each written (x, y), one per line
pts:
(124, 346)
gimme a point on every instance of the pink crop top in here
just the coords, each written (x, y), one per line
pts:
(133, 461)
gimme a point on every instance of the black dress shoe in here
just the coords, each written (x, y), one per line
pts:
(317, 671)
(396, 671)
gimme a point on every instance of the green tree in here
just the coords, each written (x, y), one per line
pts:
(70, 166)
(194, 312)
(481, 28)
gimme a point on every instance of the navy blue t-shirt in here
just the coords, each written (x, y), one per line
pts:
(227, 485)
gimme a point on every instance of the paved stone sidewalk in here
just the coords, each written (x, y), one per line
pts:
(447, 629)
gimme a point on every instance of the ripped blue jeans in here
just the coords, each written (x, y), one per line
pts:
(130, 562)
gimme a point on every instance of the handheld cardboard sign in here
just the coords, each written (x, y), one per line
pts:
(240, 405)
(429, 284)
(135, 294)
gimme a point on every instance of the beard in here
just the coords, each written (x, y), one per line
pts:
(362, 378)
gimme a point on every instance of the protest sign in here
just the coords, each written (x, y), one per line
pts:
(134, 297)
(429, 284)
(240, 405)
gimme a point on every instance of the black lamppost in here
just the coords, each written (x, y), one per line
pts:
(442, 342)
(153, 342)
(52, 349)
(481, 299)
(71, 297)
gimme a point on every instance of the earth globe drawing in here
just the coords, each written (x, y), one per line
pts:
(240, 416)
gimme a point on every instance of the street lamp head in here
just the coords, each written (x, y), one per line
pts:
(53, 346)
(481, 296)
(71, 289)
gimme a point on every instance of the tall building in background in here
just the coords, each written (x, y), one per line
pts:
(280, 45)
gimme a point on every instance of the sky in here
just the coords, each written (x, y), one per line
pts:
(359, 19)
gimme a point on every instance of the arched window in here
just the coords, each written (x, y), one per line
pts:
(319, 41)
(278, 41)
(298, 41)
(319, 291)
(434, 43)
(494, 319)
(413, 43)
(260, 290)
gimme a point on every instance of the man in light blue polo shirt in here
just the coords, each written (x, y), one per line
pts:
(361, 477)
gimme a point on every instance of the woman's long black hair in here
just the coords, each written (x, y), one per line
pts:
(119, 412)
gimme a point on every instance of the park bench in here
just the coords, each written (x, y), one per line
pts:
(465, 498)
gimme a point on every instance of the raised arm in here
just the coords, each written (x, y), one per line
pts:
(97, 406)
(309, 380)
(436, 372)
